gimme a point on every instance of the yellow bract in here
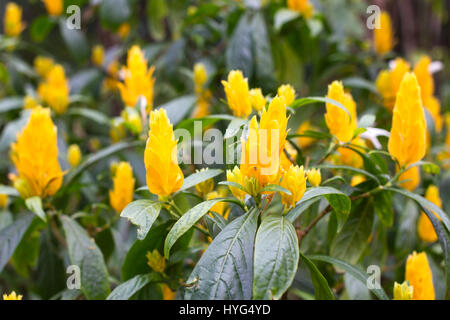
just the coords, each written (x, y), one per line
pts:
(302, 6)
(403, 291)
(340, 124)
(29, 102)
(35, 155)
(205, 187)
(418, 274)
(238, 97)
(74, 155)
(200, 76)
(383, 36)
(138, 80)
(43, 65)
(388, 82)
(3, 200)
(54, 7)
(288, 92)
(12, 296)
(13, 25)
(98, 55)
(314, 177)
(156, 261)
(294, 180)
(424, 77)
(424, 226)
(164, 176)
(257, 99)
(236, 176)
(123, 182)
(55, 89)
(304, 142)
(357, 179)
(410, 179)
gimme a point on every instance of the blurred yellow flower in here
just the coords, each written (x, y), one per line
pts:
(424, 225)
(3, 201)
(123, 187)
(200, 77)
(204, 187)
(54, 7)
(257, 99)
(294, 180)
(302, 6)
(403, 291)
(220, 207)
(304, 142)
(13, 25)
(43, 65)
(418, 274)
(168, 294)
(138, 80)
(236, 176)
(424, 77)
(292, 153)
(314, 177)
(288, 92)
(349, 157)
(202, 107)
(164, 176)
(383, 37)
(35, 155)
(433, 106)
(12, 296)
(98, 55)
(29, 102)
(357, 179)
(410, 179)
(74, 155)
(238, 97)
(55, 90)
(124, 30)
(388, 82)
(338, 121)
(156, 261)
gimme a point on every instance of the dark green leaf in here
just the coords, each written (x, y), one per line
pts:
(275, 188)
(75, 40)
(239, 50)
(383, 208)
(142, 213)
(11, 103)
(40, 28)
(114, 12)
(198, 177)
(322, 290)
(130, 287)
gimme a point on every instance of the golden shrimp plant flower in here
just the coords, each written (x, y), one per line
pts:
(418, 274)
(43, 65)
(425, 228)
(12, 24)
(55, 89)
(424, 77)
(122, 193)
(383, 35)
(340, 123)
(294, 180)
(236, 176)
(302, 6)
(74, 155)
(98, 55)
(138, 79)
(54, 7)
(200, 77)
(403, 291)
(288, 92)
(12, 296)
(388, 82)
(164, 176)
(35, 156)
(237, 93)
(314, 177)
(257, 99)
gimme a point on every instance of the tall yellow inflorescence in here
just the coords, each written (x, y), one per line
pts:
(35, 155)
(237, 92)
(302, 6)
(388, 82)
(54, 7)
(288, 92)
(203, 95)
(305, 142)
(340, 124)
(43, 65)
(74, 155)
(257, 99)
(424, 225)
(12, 24)
(418, 274)
(138, 79)
(123, 187)
(407, 141)
(164, 176)
(98, 55)
(55, 89)
(3, 200)
(383, 37)
(200, 76)
(294, 180)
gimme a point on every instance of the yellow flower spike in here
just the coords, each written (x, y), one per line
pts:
(202, 107)
(285, 161)
(138, 79)
(122, 193)
(314, 177)
(237, 92)
(288, 92)
(124, 30)
(388, 82)
(434, 107)
(236, 176)
(35, 155)
(425, 228)
(168, 294)
(349, 157)
(3, 201)
(55, 89)
(302, 6)
(12, 296)
(12, 24)
(407, 141)
(156, 261)
(204, 187)
(294, 180)
(164, 176)
(357, 179)
(257, 99)
(54, 7)
(418, 274)
(43, 65)
(74, 155)
(383, 37)
(338, 121)
(29, 102)
(200, 77)
(304, 142)
(410, 179)
(98, 55)
(424, 77)
(403, 291)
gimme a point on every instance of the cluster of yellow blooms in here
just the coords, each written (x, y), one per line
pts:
(122, 193)
(302, 6)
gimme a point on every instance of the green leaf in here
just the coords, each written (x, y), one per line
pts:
(11, 236)
(356, 82)
(383, 208)
(40, 28)
(276, 258)
(309, 100)
(283, 16)
(187, 221)
(233, 184)
(9, 191)
(275, 188)
(351, 241)
(35, 205)
(354, 271)
(11, 103)
(198, 177)
(75, 41)
(337, 199)
(90, 114)
(322, 290)
(84, 253)
(142, 213)
(114, 12)
(177, 109)
(129, 288)
(348, 168)
(239, 54)
(225, 270)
